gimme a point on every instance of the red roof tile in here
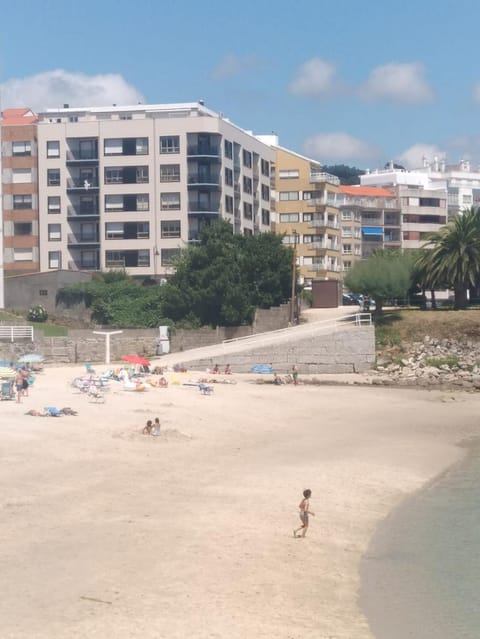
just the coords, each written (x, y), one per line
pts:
(366, 191)
(24, 115)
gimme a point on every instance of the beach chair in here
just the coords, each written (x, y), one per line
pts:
(6, 391)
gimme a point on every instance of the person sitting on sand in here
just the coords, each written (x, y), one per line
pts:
(216, 369)
(305, 511)
(156, 427)
(277, 380)
(147, 429)
(228, 370)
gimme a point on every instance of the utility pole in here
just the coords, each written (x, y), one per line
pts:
(294, 278)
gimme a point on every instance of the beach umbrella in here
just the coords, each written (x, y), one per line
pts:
(136, 359)
(31, 358)
(7, 372)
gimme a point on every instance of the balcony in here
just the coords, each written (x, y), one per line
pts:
(83, 265)
(211, 181)
(317, 178)
(324, 223)
(204, 151)
(203, 208)
(90, 239)
(333, 268)
(328, 246)
(74, 212)
(77, 184)
(77, 156)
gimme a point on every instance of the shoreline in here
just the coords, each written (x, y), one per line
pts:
(387, 584)
(95, 503)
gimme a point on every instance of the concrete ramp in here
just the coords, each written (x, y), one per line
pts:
(342, 345)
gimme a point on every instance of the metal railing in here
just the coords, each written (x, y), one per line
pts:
(16, 332)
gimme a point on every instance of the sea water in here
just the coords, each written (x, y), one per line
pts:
(421, 574)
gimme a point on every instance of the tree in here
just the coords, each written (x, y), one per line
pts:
(451, 256)
(221, 280)
(346, 174)
(385, 275)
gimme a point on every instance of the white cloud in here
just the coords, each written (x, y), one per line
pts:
(339, 147)
(315, 77)
(233, 65)
(413, 157)
(396, 82)
(55, 88)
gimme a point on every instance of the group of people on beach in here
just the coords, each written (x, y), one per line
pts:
(152, 427)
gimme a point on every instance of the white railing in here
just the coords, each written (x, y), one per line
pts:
(16, 332)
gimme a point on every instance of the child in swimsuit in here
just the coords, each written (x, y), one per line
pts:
(305, 511)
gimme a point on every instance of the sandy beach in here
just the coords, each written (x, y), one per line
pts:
(106, 532)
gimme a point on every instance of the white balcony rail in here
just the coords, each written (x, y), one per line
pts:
(13, 333)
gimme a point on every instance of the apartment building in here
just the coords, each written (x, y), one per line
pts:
(19, 191)
(128, 187)
(370, 219)
(306, 213)
(422, 202)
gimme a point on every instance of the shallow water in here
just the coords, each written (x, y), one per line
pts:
(421, 574)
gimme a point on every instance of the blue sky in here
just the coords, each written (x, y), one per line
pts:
(349, 82)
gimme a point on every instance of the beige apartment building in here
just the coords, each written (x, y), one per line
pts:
(128, 187)
(306, 213)
(19, 191)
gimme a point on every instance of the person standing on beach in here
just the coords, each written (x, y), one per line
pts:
(19, 385)
(295, 375)
(305, 511)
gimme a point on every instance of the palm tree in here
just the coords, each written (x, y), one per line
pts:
(451, 256)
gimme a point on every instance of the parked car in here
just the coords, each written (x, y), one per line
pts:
(349, 300)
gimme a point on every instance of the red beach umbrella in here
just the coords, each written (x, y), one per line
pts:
(135, 359)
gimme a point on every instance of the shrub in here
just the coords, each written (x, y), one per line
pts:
(37, 314)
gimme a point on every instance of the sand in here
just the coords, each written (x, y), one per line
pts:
(108, 533)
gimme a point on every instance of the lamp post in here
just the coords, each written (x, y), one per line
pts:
(294, 277)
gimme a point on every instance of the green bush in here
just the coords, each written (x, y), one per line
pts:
(449, 360)
(37, 314)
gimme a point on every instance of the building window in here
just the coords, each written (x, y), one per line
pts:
(247, 159)
(43, 292)
(265, 168)
(125, 146)
(347, 231)
(247, 185)
(22, 228)
(291, 239)
(265, 217)
(53, 149)
(247, 211)
(170, 144)
(266, 193)
(347, 265)
(347, 215)
(289, 174)
(21, 176)
(55, 259)
(307, 217)
(289, 217)
(22, 201)
(347, 249)
(169, 255)
(169, 172)
(430, 201)
(170, 228)
(54, 204)
(53, 177)
(22, 254)
(228, 177)
(54, 232)
(22, 148)
(170, 201)
(127, 259)
(228, 204)
(126, 174)
(228, 149)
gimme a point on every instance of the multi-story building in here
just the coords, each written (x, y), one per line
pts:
(306, 213)
(130, 186)
(422, 202)
(19, 186)
(370, 220)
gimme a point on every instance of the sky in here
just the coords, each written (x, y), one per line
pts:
(357, 83)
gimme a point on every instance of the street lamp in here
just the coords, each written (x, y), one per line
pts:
(294, 277)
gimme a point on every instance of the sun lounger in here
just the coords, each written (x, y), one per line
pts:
(205, 389)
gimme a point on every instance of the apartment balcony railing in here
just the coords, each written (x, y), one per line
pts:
(81, 184)
(324, 177)
(75, 240)
(196, 208)
(324, 245)
(212, 152)
(324, 223)
(195, 179)
(76, 155)
(73, 265)
(320, 266)
(75, 212)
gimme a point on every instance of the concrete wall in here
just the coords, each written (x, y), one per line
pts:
(349, 350)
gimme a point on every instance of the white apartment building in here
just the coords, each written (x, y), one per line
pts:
(422, 202)
(128, 187)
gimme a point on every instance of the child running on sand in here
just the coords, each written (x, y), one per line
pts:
(305, 511)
